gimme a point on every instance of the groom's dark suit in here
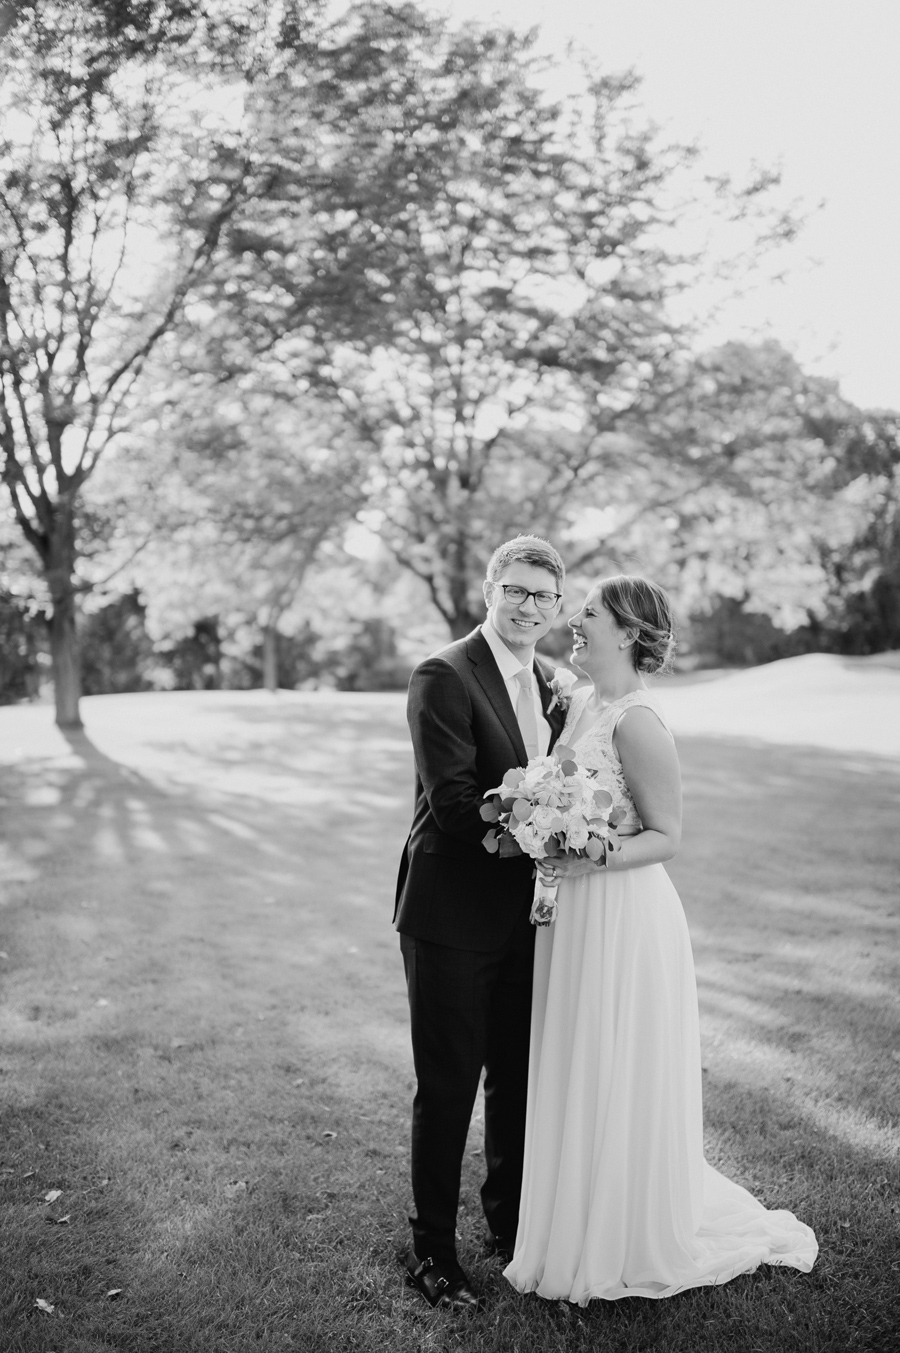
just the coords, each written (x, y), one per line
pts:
(466, 939)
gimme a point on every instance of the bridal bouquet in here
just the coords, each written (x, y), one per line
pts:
(553, 807)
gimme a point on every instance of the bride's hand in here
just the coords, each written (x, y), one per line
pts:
(566, 866)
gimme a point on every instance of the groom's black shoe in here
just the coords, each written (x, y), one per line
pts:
(442, 1283)
(500, 1247)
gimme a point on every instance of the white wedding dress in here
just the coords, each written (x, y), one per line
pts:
(617, 1198)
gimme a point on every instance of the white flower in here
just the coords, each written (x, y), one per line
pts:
(544, 817)
(564, 679)
(561, 684)
(577, 834)
(531, 840)
(535, 776)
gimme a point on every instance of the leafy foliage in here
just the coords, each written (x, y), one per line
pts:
(478, 278)
(863, 614)
(111, 206)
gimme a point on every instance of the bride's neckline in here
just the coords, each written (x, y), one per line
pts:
(603, 705)
(597, 713)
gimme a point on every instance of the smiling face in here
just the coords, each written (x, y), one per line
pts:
(524, 625)
(597, 636)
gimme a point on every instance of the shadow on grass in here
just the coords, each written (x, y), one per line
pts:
(205, 1009)
(300, 1256)
(788, 874)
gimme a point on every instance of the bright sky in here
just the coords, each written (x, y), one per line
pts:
(810, 85)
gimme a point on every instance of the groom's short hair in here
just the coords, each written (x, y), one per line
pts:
(527, 550)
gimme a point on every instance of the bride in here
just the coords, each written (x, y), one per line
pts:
(617, 1198)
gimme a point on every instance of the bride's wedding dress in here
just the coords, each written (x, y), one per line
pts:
(617, 1198)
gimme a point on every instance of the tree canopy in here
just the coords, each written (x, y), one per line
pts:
(481, 288)
(275, 270)
(111, 205)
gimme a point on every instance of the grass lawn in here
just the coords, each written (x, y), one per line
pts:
(205, 1075)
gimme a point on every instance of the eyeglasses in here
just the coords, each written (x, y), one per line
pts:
(544, 601)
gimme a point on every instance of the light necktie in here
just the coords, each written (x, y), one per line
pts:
(525, 712)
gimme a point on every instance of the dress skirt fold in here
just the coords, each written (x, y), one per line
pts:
(617, 1199)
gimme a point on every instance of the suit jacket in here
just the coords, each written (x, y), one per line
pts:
(465, 737)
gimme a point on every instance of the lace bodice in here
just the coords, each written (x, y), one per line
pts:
(594, 747)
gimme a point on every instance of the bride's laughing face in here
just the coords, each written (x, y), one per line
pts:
(596, 635)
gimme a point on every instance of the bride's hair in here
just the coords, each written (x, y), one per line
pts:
(637, 604)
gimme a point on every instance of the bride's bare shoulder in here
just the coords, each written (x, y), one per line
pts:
(641, 728)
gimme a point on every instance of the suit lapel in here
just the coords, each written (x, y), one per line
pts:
(555, 718)
(487, 674)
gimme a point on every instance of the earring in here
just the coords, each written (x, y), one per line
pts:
(623, 645)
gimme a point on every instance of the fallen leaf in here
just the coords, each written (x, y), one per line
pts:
(44, 1306)
(115, 1292)
(52, 1195)
(3, 953)
(299, 1082)
(329, 1134)
(102, 1001)
(29, 1173)
(62, 1221)
(236, 1187)
(177, 1043)
(845, 1224)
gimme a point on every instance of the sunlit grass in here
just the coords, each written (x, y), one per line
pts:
(205, 1045)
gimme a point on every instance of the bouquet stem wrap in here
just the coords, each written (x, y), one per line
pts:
(543, 908)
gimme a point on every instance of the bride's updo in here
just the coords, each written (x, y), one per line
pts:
(637, 604)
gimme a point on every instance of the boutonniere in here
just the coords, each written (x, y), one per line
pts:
(561, 685)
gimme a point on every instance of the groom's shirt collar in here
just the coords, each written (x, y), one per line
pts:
(510, 666)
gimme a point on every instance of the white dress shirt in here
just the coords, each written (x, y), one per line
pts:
(509, 665)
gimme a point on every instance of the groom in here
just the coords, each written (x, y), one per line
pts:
(475, 709)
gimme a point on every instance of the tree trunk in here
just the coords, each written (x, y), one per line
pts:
(60, 571)
(270, 657)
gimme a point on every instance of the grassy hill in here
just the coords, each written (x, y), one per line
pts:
(205, 1076)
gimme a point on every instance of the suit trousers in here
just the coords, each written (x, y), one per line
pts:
(468, 1011)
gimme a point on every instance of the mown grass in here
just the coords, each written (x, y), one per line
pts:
(205, 1046)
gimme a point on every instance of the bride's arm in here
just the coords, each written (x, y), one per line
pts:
(652, 774)
(650, 764)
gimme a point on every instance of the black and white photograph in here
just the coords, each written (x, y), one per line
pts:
(449, 676)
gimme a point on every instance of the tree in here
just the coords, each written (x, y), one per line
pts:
(508, 275)
(271, 480)
(740, 450)
(23, 614)
(110, 210)
(863, 566)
